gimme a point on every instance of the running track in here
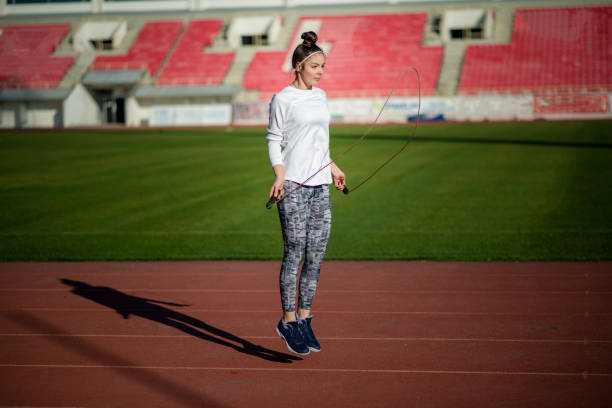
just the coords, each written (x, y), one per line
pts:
(394, 334)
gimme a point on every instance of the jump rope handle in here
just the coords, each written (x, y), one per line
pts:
(271, 202)
(345, 190)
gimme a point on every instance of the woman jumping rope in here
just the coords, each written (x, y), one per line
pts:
(298, 146)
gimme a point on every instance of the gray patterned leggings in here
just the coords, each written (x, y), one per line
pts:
(305, 218)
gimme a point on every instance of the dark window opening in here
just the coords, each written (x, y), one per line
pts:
(456, 33)
(259, 39)
(102, 44)
(435, 24)
(470, 33)
(476, 32)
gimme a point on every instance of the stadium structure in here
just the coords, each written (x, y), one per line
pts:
(218, 62)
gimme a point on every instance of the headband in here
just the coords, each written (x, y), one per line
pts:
(310, 55)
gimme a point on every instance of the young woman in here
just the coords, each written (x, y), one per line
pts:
(298, 146)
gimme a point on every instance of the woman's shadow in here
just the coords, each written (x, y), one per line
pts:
(127, 305)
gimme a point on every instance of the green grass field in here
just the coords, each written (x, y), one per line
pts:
(518, 191)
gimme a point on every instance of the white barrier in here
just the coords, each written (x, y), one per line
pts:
(493, 108)
(191, 115)
(460, 108)
(246, 114)
(397, 110)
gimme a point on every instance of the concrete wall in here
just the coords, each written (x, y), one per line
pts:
(8, 113)
(50, 8)
(43, 114)
(135, 114)
(31, 114)
(80, 108)
(99, 6)
(115, 30)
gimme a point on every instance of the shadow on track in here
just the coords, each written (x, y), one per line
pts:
(127, 305)
(156, 381)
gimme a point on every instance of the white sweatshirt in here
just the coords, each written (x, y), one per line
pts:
(298, 134)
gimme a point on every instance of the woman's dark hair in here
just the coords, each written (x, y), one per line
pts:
(307, 47)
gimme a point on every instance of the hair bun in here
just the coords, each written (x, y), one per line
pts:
(310, 38)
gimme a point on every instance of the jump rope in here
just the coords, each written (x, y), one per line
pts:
(275, 200)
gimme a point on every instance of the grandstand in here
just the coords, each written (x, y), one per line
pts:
(358, 47)
(147, 52)
(552, 49)
(218, 63)
(190, 64)
(26, 59)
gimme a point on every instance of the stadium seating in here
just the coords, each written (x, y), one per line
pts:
(558, 49)
(189, 64)
(148, 50)
(367, 54)
(25, 56)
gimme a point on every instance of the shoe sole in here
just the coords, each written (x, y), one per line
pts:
(287, 344)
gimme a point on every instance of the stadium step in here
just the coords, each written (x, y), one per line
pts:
(450, 70)
(133, 28)
(81, 63)
(242, 59)
(502, 27)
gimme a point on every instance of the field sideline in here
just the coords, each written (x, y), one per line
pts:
(466, 192)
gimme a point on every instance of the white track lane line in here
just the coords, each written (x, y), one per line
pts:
(312, 370)
(414, 339)
(106, 310)
(361, 291)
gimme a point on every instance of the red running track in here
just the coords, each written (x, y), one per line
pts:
(401, 334)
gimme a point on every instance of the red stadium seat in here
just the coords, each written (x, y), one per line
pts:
(25, 56)
(148, 50)
(561, 49)
(189, 64)
(367, 53)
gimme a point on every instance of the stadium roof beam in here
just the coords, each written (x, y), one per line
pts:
(107, 79)
(226, 90)
(21, 95)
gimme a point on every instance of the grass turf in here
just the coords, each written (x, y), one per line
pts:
(516, 191)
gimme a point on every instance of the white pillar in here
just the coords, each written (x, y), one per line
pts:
(96, 6)
(2, 7)
(133, 112)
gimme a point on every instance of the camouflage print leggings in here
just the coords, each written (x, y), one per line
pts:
(305, 217)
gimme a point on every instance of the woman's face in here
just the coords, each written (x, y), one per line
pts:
(311, 70)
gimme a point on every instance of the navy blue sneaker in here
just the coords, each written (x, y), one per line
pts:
(291, 333)
(308, 334)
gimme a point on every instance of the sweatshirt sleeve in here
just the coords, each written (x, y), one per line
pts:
(276, 125)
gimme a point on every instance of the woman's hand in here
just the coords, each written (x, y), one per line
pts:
(338, 176)
(277, 188)
(279, 181)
